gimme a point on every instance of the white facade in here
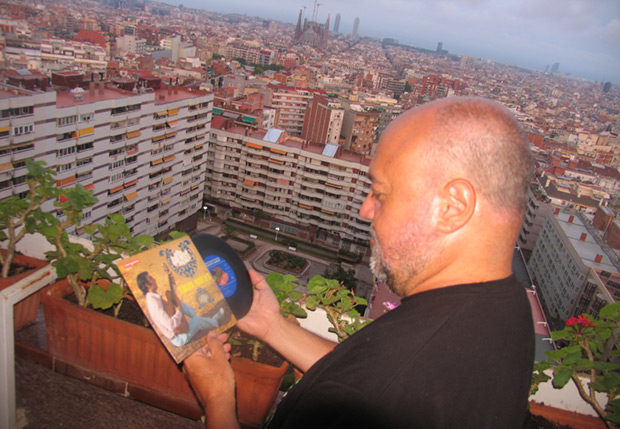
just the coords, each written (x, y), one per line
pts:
(308, 186)
(129, 44)
(141, 154)
(566, 250)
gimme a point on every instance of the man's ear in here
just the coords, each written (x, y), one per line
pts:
(456, 206)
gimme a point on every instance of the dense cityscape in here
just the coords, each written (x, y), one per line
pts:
(166, 112)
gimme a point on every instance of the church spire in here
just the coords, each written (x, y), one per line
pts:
(298, 28)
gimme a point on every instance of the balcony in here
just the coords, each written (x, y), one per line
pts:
(52, 399)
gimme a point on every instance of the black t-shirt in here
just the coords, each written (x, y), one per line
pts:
(459, 356)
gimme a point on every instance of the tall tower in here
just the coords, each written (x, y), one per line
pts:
(325, 34)
(298, 30)
(356, 26)
(337, 23)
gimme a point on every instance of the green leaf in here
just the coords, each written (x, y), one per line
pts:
(104, 299)
(65, 266)
(274, 279)
(561, 335)
(89, 229)
(582, 365)
(614, 411)
(561, 376)
(297, 311)
(311, 303)
(295, 295)
(144, 240)
(573, 355)
(611, 311)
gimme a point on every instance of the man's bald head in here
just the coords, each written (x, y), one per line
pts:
(478, 140)
(483, 139)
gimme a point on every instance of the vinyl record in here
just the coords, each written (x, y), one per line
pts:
(228, 270)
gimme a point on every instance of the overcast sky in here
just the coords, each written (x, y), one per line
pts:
(583, 36)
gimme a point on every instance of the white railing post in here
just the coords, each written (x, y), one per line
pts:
(8, 297)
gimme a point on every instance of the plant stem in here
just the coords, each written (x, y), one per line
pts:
(590, 400)
(333, 317)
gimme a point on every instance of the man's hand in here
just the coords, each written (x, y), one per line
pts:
(264, 321)
(213, 380)
(265, 309)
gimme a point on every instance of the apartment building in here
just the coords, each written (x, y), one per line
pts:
(59, 54)
(323, 121)
(359, 128)
(309, 191)
(249, 51)
(141, 153)
(565, 260)
(291, 104)
(538, 204)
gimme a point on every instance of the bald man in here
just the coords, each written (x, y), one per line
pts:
(449, 189)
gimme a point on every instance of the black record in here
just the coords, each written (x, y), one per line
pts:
(228, 270)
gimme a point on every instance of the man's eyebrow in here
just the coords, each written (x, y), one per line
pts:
(375, 181)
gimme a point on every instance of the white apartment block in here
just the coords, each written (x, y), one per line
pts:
(291, 104)
(537, 206)
(129, 44)
(566, 253)
(59, 54)
(311, 191)
(249, 52)
(141, 154)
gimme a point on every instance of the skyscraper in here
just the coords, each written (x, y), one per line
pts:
(337, 23)
(356, 26)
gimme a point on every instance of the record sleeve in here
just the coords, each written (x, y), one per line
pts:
(178, 295)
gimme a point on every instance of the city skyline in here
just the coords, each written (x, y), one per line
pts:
(583, 36)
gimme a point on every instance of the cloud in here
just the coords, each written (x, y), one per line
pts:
(529, 31)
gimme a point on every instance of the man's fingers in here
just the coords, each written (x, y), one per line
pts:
(258, 281)
(216, 346)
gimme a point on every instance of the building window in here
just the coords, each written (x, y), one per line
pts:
(67, 120)
(64, 152)
(22, 129)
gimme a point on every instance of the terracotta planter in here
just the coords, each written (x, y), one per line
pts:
(257, 387)
(111, 347)
(25, 311)
(134, 354)
(567, 418)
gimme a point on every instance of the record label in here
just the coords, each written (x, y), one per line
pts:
(228, 270)
(223, 274)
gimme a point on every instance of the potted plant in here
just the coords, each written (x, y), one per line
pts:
(84, 341)
(19, 216)
(588, 359)
(89, 266)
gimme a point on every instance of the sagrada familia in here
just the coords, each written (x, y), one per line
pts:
(312, 33)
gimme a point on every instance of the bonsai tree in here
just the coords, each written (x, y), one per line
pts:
(340, 304)
(20, 216)
(88, 269)
(591, 353)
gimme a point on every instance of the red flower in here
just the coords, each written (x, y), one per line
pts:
(580, 320)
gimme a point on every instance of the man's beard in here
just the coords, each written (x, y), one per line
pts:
(398, 264)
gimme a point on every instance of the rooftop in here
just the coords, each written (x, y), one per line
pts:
(72, 98)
